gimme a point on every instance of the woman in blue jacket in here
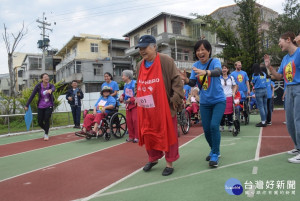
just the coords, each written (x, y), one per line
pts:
(259, 83)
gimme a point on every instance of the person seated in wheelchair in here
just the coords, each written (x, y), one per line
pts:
(238, 105)
(253, 105)
(104, 105)
(193, 103)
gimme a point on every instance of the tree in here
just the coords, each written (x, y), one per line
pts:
(10, 51)
(248, 24)
(288, 21)
(242, 41)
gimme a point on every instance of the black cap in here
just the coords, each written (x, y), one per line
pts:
(145, 40)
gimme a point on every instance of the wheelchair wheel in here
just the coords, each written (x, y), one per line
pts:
(185, 121)
(118, 126)
(107, 136)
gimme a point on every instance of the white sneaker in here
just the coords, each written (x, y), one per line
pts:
(222, 128)
(294, 152)
(295, 159)
(229, 128)
(46, 137)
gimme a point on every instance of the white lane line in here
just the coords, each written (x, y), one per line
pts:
(224, 145)
(258, 146)
(126, 177)
(60, 162)
(98, 194)
(254, 170)
(160, 182)
(40, 148)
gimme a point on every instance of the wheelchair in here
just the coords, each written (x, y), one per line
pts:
(183, 119)
(235, 122)
(114, 124)
(246, 110)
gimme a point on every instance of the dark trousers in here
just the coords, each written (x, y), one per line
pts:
(44, 115)
(269, 109)
(229, 119)
(76, 112)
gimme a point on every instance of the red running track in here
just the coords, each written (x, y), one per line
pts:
(82, 176)
(29, 145)
(275, 138)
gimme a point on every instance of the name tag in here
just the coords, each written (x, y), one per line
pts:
(129, 92)
(145, 101)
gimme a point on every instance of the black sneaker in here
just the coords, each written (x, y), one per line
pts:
(269, 123)
(148, 166)
(167, 171)
(261, 124)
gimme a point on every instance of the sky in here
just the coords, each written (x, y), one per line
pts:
(107, 18)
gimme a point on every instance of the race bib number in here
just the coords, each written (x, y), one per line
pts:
(101, 104)
(145, 101)
(129, 92)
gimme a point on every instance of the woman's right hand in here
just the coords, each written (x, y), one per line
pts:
(183, 75)
(26, 108)
(267, 60)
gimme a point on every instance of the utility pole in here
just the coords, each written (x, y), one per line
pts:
(44, 43)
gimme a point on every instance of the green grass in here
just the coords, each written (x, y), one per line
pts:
(17, 124)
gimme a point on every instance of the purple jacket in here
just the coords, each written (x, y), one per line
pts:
(37, 89)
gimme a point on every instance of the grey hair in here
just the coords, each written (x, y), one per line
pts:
(128, 73)
(153, 45)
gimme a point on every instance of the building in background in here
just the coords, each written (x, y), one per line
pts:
(175, 36)
(87, 57)
(266, 15)
(4, 84)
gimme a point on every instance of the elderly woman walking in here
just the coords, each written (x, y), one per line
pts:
(128, 97)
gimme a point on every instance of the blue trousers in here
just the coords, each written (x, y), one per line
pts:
(76, 113)
(292, 114)
(261, 100)
(211, 115)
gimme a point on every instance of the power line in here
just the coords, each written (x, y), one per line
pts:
(119, 10)
(67, 12)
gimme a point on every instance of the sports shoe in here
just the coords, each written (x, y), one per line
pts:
(210, 154)
(135, 140)
(46, 137)
(230, 128)
(295, 159)
(269, 123)
(214, 160)
(149, 166)
(167, 171)
(222, 128)
(261, 125)
(129, 140)
(294, 152)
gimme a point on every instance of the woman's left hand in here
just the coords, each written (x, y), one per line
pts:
(199, 72)
(49, 91)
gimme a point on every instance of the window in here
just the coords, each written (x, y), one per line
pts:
(186, 55)
(20, 73)
(154, 30)
(98, 69)
(77, 66)
(119, 70)
(176, 27)
(94, 47)
(33, 78)
(136, 39)
(35, 63)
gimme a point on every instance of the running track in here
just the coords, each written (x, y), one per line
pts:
(86, 175)
(79, 177)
